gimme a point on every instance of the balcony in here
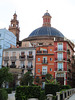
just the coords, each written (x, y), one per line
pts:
(30, 57)
(60, 59)
(45, 51)
(29, 68)
(44, 73)
(6, 58)
(22, 66)
(44, 62)
(60, 69)
(39, 51)
(22, 58)
(13, 58)
(13, 66)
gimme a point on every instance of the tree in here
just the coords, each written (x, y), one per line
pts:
(49, 78)
(27, 79)
(5, 75)
(38, 81)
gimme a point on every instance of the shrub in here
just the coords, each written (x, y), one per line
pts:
(42, 95)
(52, 89)
(3, 94)
(9, 90)
(25, 92)
(65, 87)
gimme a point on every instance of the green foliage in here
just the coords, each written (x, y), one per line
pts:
(52, 89)
(38, 81)
(26, 79)
(5, 76)
(49, 78)
(65, 87)
(3, 94)
(42, 95)
(25, 92)
(9, 90)
(54, 98)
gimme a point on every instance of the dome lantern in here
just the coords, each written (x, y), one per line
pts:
(47, 19)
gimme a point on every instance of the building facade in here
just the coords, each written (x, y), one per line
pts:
(56, 62)
(63, 51)
(7, 39)
(20, 60)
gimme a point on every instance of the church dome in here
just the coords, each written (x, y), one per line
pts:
(46, 31)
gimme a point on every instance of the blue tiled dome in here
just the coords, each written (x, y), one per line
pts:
(46, 14)
(46, 31)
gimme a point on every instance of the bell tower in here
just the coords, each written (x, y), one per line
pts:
(14, 27)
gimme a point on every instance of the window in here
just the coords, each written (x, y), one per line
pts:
(60, 66)
(22, 64)
(14, 54)
(60, 56)
(22, 53)
(30, 52)
(0, 35)
(5, 63)
(40, 43)
(60, 46)
(38, 59)
(50, 49)
(43, 77)
(29, 63)
(50, 59)
(38, 70)
(6, 53)
(44, 59)
(44, 70)
(50, 69)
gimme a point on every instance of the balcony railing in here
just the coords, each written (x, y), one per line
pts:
(39, 51)
(22, 58)
(13, 66)
(44, 73)
(30, 57)
(13, 58)
(5, 58)
(45, 51)
(21, 66)
(60, 69)
(29, 67)
(44, 62)
(60, 59)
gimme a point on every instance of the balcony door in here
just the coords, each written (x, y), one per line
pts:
(60, 66)
(29, 63)
(44, 59)
(60, 56)
(44, 70)
(60, 46)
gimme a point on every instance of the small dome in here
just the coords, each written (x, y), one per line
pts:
(46, 14)
(46, 31)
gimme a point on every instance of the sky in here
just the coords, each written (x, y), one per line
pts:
(30, 12)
